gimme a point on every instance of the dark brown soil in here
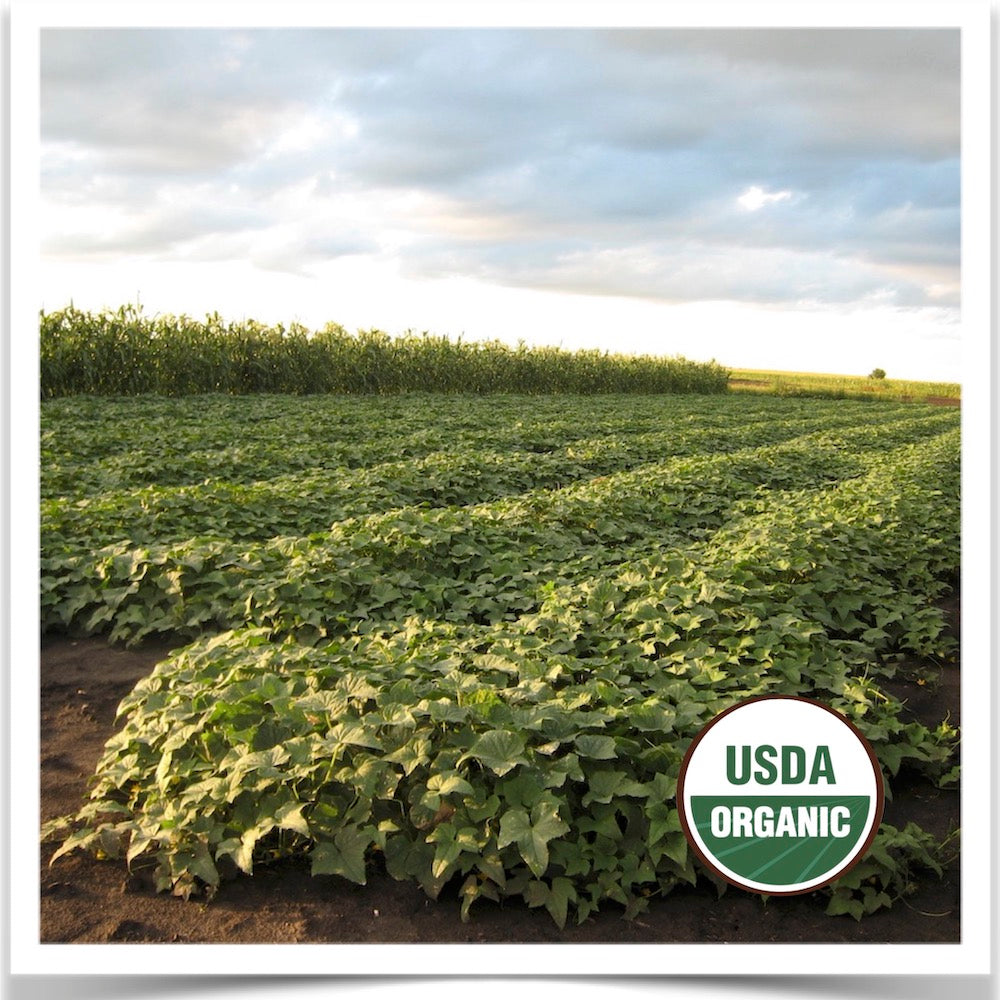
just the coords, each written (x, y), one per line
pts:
(84, 900)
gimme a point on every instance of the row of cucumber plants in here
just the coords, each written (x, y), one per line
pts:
(499, 696)
(310, 502)
(92, 445)
(485, 560)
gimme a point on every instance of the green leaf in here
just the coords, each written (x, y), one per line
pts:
(353, 734)
(490, 661)
(841, 903)
(446, 854)
(81, 839)
(449, 782)
(482, 810)
(663, 819)
(676, 848)
(596, 747)
(411, 754)
(561, 894)
(289, 817)
(202, 866)
(345, 856)
(532, 834)
(602, 786)
(498, 749)
(523, 789)
(240, 849)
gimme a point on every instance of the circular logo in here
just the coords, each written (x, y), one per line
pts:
(780, 795)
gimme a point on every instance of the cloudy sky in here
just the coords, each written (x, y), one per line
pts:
(768, 197)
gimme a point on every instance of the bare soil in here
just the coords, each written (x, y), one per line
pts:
(85, 900)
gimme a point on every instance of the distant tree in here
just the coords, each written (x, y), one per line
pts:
(878, 373)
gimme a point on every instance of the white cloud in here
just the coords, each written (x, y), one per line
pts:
(755, 198)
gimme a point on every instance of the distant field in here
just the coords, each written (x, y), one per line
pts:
(842, 386)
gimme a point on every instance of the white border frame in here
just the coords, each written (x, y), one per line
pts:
(971, 956)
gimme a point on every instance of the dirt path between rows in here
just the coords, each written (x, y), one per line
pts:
(85, 900)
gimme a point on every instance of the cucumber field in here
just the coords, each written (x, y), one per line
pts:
(459, 643)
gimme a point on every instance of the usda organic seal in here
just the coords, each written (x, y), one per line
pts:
(780, 795)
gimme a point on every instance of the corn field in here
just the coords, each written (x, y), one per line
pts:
(125, 353)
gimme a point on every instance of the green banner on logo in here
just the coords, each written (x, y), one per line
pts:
(780, 839)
